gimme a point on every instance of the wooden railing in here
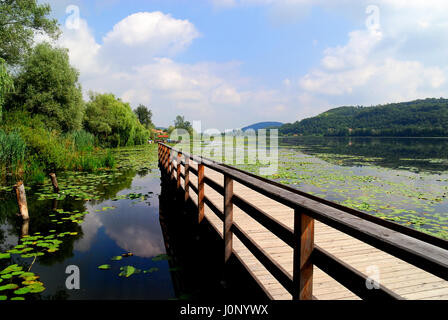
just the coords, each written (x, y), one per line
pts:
(421, 250)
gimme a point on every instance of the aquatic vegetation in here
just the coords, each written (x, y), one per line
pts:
(413, 197)
(161, 257)
(105, 267)
(55, 230)
(21, 283)
(128, 271)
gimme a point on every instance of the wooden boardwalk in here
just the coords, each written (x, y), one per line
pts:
(402, 278)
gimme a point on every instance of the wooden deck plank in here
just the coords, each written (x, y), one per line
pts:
(403, 278)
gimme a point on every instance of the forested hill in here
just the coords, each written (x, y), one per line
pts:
(419, 118)
(262, 125)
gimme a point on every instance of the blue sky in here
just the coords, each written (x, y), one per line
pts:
(230, 63)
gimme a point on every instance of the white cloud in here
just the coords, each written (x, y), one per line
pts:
(83, 49)
(365, 72)
(404, 59)
(150, 33)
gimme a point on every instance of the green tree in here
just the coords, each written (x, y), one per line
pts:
(144, 115)
(20, 20)
(48, 85)
(180, 123)
(6, 85)
(113, 121)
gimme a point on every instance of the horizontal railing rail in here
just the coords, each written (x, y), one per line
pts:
(421, 250)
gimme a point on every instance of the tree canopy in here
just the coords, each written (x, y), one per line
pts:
(113, 121)
(48, 85)
(20, 20)
(181, 123)
(6, 85)
(144, 115)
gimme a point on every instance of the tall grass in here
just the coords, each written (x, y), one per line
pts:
(82, 140)
(12, 151)
(94, 161)
(29, 150)
(35, 171)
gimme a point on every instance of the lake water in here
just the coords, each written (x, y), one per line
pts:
(399, 179)
(98, 217)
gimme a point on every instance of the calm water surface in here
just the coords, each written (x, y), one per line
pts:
(129, 226)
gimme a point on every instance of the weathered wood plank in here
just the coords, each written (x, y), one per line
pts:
(395, 274)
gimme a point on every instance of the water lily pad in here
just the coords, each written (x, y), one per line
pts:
(10, 286)
(161, 257)
(117, 258)
(36, 288)
(128, 271)
(23, 290)
(105, 267)
(151, 270)
(5, 256)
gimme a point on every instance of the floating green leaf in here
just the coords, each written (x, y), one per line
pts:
(104, 267)
(10, 286)
(161, 257)
(5, 256)
(117, 258)
(128, 271)
(23, 290)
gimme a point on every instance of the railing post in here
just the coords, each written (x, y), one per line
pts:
(166, 159)
(187, 178)
(303, 248)
(200, 192)
(228, 217)
(171, 165)
(162, 158)
(179, 155)
(160, 155)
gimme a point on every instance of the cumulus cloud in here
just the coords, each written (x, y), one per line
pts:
(365, 72)
(136, 60)
(147, 34)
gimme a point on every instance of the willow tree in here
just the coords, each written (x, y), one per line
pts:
(20, 21)
(6, 85)
(113, 122)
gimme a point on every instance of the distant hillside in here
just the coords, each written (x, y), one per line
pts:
(262, 125)
(419, 118)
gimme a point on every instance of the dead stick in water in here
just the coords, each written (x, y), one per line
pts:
(54, 181)
(25, 227)
(21, 200)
